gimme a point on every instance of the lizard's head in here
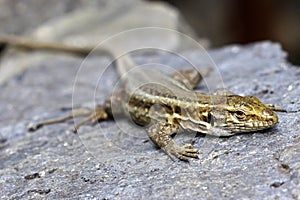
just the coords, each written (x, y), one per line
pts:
(246, 114)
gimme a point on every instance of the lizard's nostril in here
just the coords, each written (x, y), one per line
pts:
(270, 116)
(275, 118)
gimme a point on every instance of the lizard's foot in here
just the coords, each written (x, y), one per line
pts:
(89, 116)
(94, 116)
(160, 134)
(182, 153)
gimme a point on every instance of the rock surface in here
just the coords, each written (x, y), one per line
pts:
(106, 163)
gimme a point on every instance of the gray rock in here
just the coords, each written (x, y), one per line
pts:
(103, 162)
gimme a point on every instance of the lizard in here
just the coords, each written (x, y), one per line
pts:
(168, 106)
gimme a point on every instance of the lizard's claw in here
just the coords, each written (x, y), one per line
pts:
(182, 153)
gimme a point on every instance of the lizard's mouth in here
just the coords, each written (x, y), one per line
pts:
(252, 126)
(261, 125)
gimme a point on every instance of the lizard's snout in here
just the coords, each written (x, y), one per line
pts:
(270, 117)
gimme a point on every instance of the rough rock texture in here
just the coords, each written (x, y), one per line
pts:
(106, 163)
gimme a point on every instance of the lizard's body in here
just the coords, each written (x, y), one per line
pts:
(166, 103)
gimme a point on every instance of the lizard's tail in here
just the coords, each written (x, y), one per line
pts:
(124, 63)
(28, 44)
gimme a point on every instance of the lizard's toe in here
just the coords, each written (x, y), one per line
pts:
(189, 152)
(94, 116)
(188, 146)
(182, 153)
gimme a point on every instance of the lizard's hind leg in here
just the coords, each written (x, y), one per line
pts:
(190, 77)
(89, 116)
(100, 113)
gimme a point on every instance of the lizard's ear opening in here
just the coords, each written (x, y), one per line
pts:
(211, 119)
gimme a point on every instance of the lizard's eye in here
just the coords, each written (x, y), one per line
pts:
(240, 115)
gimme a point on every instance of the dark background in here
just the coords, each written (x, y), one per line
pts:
(246, 21)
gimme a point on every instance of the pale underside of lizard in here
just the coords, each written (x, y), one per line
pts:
(166, 103)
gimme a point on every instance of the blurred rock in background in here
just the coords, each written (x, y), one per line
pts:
(81, 23)
(234, 21)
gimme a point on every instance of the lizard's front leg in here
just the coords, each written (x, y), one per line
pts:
(160, 133)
